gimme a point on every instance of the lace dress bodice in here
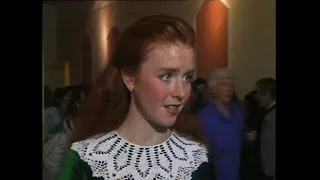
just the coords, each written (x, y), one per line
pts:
(109, 156)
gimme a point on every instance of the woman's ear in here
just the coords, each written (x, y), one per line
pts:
(128, 79)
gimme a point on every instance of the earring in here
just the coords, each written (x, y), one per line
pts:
(131, 90)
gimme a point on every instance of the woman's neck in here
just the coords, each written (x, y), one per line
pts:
(222, 106)
(139, 131)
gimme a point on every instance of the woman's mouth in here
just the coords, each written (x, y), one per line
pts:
(173, 108)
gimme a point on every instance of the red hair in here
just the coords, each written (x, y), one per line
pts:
(108, 103)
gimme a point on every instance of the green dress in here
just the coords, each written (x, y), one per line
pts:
(110, 157)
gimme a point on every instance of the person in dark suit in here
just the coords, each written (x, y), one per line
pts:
(266, 95)
(250, 159)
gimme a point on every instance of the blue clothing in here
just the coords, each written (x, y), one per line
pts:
(225, 135)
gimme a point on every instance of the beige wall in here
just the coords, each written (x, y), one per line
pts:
(63, 33)
(122, 14)
(53, 74)
(71, 32)
(252, 41)
(251, 36)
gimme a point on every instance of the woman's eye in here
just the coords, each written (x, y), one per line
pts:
(188, 78)
(166, 77)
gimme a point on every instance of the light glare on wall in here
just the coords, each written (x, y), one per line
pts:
(224, 2)
(103, 28)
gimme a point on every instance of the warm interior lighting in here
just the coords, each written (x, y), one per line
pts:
(67, 74)
(224, 2)
(103, 45)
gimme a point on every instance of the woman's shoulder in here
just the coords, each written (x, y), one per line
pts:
(237, 107)
(187, 143)
(87, 145)
(193, 149)
(199, 161)
(189, 157)
(82, 161)
(207, 110)
(74, 167)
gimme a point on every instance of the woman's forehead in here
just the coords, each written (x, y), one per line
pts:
(169, 56)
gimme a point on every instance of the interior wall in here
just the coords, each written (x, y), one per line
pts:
(113, 15)
(71, 25)
(251, 35)
(212, 37)
(86, 65)
(252, 42)
(53, 73)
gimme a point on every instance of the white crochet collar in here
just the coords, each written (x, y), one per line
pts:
(111, 157)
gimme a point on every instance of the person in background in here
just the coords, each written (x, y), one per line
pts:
(133, 126)
(254, 112)
(47, 94)
(84, 89)
(224, 125)
(61, 97)
(54, 123)
(56, 137)
(199, 89)
(234, 99)
(266, 94)
(251, 164)
(77, 101)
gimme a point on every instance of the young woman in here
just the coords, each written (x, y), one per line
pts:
(131, 126)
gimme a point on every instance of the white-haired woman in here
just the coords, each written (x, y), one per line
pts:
(223, 124)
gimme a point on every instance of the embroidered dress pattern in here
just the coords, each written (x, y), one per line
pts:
(112, 157)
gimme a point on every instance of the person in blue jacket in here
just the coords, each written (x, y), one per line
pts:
(224, 125)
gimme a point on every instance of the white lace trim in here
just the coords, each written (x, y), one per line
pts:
(111, 157)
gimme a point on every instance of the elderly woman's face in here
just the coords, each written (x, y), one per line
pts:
(224, 89)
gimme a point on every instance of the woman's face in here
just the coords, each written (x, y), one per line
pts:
(224, 89)
(163, 85)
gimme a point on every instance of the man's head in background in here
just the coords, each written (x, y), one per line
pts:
(266, 91)
(199, 87)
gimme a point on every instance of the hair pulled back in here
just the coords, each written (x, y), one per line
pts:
(108, 102)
